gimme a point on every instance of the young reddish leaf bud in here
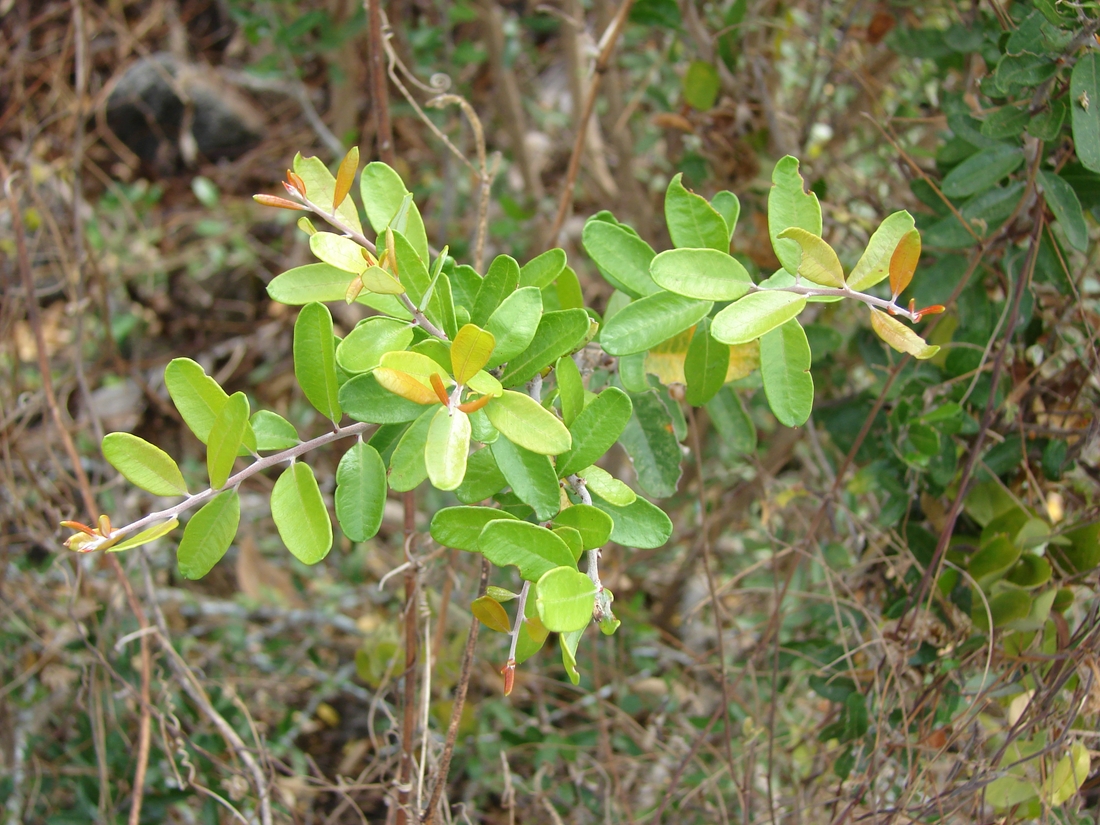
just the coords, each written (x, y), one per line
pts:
(509, 673)
(476, 404)
(296, 181)
(440, 390)
(274, 200)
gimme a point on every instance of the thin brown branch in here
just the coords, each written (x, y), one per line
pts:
(380, 100)
(408, 723)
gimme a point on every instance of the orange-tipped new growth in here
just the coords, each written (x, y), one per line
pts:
(476, 404)
(440, 390)
(903, 263)
(345, 177)
(509, 673)
(294, 183)
(277, 202)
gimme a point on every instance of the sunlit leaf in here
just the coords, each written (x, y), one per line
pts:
(650, 441)
(365, 399)
(704, 274)
(447, 448)
(470, 351)
(499, 282)
(144, 465)
(199, 399)
(756, 314)
(483, 477)
(570, 389)
(692, 222)
(901, 337)
(622, 257)
(525, 422)
(273, 432)
(362, 348)
(1069, 775)
(568, 643)
(819, 262)
(558, 334)
(226, 436)
(146, 536)
(338, 251)
(533, 549)
(513, 324)
(785, 369)
(639, 524)
(874, 264)
(592, 523)
(460, 527)
(647, 322)
(565, 599)
(324, 283)
(790, 205)
(542, 270)
(376, 279)
(383, 194)
(607, 487)
(321, 189)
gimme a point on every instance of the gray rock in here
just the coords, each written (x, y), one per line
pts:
(167, 111)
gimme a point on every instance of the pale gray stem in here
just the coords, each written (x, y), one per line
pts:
(522, 609)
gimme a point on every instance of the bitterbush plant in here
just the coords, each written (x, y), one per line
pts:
(499, 387)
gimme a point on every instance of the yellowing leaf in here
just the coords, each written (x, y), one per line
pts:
(345, 176)
(146, 536)
(488, 611)
(376, 279)
(903, 263)
(525, 422)
(470, 351)
(744, 358)
(405, 385)
(819, 262)
(900, 337)
(338, 251)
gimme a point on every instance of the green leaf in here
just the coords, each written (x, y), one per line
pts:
(606, 486)
(1063, 202)
(789, 205)
(632, 372)
(819, 262)
(982, 171)
(300, 515)
(692, 222)
(1046, 125)
(755, 315)
(144, 465)
(523, 421)
(447, 448)
(1068, 777)
(650, 442)
(489, 612)
(1084, 92)
(499, 282)
(568, 289)
(383, 194)
(650, 321)
(208, 535)
(146, 536)
(413, 273)
(855, 717)
(533, 549)
(407, 466)
(874, 264)
(622, 257)
(470, 351)
(364, 399)
(530, 475)
(321, 188)
(513, 324)
(569, 641)
(338, 251)
(542, 270)
(483, 477)
(226, 436)
(706, 365)
(733, 424)
(573, 539)
(324, 283)
(728, 206)
(785, 368)
(1006, 122)
(362, 349)
(705, 274)
(570, 389)
(639, 524)
(701, 85)
(272, 431)
(460, 527)
(360, 492)
(593, 524)
(565, 599)
(558, 333)
(993, 561)
(315, 360)
(199, 399)
(595, 429)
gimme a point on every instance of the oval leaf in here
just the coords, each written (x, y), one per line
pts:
(300, 515)
(470, 351)
(144, 465)
(364, 399)
(315, 359)
(756, 314)
(900, 337)
(362, 349)
(982, 171)
(692, 222)
(499, 282)
(785, 368)
(558, 333)
(345, 176)
(447, 448)
(338, 251)
(513, 324)
(407, 465)
(874, 264)
(705, 274)
(208, 535)
(903, 263)
(146, 536)
(544, 269)
(789, 205)
(199, 399)
(460, 527)
(1084, 92)
(607, 487)
(570, 389)
(360, 492)
(593, 524)
(483, 477)
(383, 194)
(645, 323)
(649, 439)
(225, 439)
(706, 365)
(622, 257)
(565, 600)
(595, 429)
(639, 524)
(819, 262)
(321, 189)
(489, 612)
(530, 475)
(273, 432)
(533, 549)
(1063, 202)
(525, 422)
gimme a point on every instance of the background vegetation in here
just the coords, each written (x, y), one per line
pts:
(889, 614)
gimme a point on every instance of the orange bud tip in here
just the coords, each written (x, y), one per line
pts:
(370, 259)
(935, 309)
(274, 200)
(509, 673)
(476, 404)
(76, 525)
(440, 390)
(295, 181)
